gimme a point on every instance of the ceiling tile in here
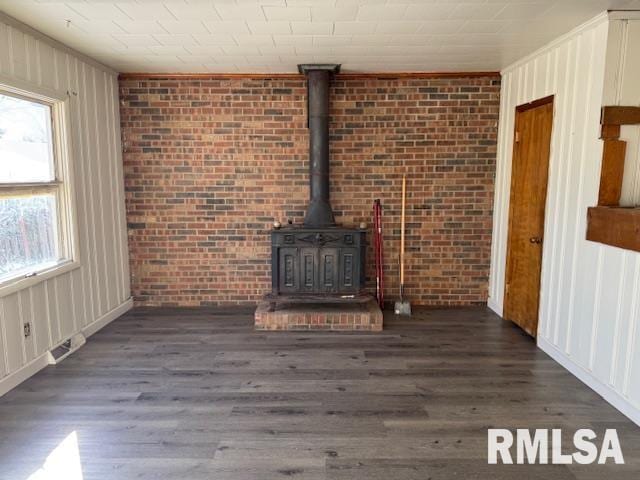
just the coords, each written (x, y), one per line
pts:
(332, 40)
(183, 26)
(141, 26)
(175, 39)
(193, 59)
(240, 12)
(167, 50)
(226, 27)
(145, 12)
(477, 12)
(292, 39)
(99, 26)
(379, 12)
(269, 27)
(441, 26)
(523, 11)
(328, 13)
(276, 49)
(204, 49)
(398, 27)
(99, 11)
(196, 11)
(136, 40)
(253, 39)
(354, 28)
(218, 39)
(287, 13)
(431, 11)
(482, 26)
(243, 50)
(370, 39)
(312, 28)
(232, 59)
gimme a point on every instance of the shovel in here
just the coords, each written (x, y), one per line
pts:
(402, 306)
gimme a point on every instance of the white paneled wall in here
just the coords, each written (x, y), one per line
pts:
(590, 293)
(84, 299)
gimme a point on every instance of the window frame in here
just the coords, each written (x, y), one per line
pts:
(61, 186)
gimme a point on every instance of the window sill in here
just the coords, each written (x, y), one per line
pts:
(615, 226)
(13, 285)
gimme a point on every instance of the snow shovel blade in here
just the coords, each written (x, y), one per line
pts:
(402, 307)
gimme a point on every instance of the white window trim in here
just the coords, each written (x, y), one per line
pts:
(66, 199)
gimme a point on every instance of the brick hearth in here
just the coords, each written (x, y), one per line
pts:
(363, 316)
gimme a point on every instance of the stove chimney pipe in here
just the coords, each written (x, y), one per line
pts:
(319, 213)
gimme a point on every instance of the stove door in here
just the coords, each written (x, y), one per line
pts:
(349, 270)
(329, 269)
(309, 270)
(288, 269)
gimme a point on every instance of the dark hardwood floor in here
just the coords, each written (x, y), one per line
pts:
(197, 394)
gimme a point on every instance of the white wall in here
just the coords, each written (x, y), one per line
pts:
(590, 293)
(85, 299)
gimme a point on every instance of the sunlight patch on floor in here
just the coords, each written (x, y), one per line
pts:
(62, 463)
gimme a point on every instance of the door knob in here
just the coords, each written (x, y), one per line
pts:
(535, 240)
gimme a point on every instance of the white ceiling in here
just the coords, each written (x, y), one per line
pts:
(275, 35)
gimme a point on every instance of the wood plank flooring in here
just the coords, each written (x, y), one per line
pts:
(198, 394)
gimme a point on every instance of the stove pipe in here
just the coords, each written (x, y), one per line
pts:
(319, 213)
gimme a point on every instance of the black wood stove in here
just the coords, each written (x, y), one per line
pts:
(318, 260)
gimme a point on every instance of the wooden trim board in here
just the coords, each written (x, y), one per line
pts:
(615, 226)
(614, 115)
(297, 76)
(609, 223)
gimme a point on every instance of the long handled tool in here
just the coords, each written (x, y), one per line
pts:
(377, 242)
(402, 306)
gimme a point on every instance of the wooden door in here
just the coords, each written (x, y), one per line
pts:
(529, 173)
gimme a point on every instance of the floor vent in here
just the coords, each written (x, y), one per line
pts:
(66, 348)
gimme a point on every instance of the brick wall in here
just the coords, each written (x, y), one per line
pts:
(210, 163)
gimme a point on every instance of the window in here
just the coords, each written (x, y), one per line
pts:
(35, 233)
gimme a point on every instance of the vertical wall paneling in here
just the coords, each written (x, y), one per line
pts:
(90, 296)
(25, 313)
(628, 93)
(4, 354)
(114, 263)
(589, 303)
(121, 226)
(13, 332)
(90, 130)
(40, 326)
(82, 200)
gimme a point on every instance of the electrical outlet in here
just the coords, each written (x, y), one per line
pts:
(27, 330)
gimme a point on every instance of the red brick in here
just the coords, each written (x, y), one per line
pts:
(210, 163)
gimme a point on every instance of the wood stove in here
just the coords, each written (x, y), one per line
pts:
(318, 259)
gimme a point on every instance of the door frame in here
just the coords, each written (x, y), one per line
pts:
(520, 109)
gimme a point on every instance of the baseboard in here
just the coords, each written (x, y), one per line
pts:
(16, 378)
(493, 305)
(34, 366)
(605, 391)
(107, 318)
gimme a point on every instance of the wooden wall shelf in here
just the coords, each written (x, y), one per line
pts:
(615, 226)
(609, 223)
